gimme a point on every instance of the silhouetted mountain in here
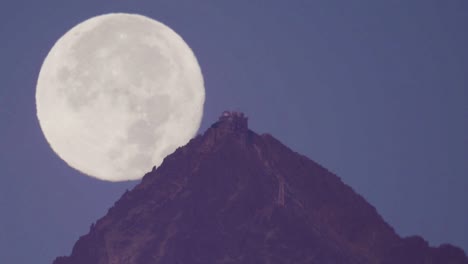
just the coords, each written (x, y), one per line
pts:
(233, 196)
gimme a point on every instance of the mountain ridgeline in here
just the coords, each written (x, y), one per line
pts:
(233, 196)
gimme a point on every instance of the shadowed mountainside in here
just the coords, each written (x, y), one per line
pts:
(233, 196)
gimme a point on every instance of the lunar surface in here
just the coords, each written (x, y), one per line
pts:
(118, 93)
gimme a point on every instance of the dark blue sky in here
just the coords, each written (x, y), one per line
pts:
(376, 91)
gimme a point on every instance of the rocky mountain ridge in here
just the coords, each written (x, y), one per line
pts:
(233, 196)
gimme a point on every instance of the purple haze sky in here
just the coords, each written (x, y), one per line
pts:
(376, 91)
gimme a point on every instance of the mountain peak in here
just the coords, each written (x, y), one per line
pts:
(230, 125)
(233, 196)
(232, 121)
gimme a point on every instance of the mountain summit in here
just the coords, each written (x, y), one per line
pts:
(233, 196)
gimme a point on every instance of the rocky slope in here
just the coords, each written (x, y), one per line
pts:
(233, 196)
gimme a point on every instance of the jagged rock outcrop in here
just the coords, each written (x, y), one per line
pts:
(233, 196)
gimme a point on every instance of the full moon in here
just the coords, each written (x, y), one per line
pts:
(118, 93)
